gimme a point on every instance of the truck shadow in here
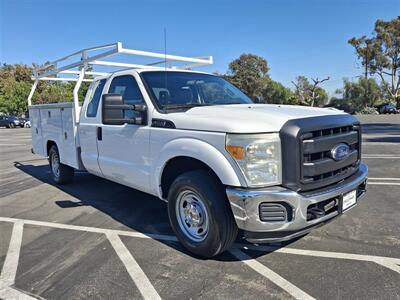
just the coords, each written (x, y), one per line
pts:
(131, 208)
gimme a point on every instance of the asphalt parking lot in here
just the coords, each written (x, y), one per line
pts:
(100, 240)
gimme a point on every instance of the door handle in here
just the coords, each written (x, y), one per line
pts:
(99, 134)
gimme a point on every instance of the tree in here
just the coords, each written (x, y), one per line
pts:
(354, 93)
(318, 94)
(54, 92)
(381, 55)
(16, 83)
(13, 97)
(249, 73)
(310, 94)
(275, 92)
(366, 50)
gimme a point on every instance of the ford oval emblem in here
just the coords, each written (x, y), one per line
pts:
(340, 151)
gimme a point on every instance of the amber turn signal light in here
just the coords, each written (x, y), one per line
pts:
(237, 152)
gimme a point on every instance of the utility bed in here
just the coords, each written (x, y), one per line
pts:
(55, 122)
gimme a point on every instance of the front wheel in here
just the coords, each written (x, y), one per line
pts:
(61, 174)
(200, 214)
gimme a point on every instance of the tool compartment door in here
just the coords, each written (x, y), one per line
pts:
(36, 130)
(68, 154)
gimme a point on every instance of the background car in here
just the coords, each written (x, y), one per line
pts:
(387, 109)
(22, 122)
(27, 123)
(10, 121)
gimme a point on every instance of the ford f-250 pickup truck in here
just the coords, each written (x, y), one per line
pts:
(192, 139)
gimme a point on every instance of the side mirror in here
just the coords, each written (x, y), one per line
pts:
(113, 108)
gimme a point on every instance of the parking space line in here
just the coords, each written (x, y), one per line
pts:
(387, 178)
(383, 157)
(383, 183)
(93, 229)
(271, 275)
(264, 248)
(379, 143)
(135, 272)
(139, 277)
(10, 293)
(388, 262)
(9, 271)
(380, 154)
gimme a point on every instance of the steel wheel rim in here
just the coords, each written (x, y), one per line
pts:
(55, 164)
(192, 215)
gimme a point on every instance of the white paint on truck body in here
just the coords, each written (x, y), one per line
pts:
(244, 118)
(55, 123)
(136, 155)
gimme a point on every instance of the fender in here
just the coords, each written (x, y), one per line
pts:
(200, 150)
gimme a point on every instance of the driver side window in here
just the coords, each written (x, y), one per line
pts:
(127, 86)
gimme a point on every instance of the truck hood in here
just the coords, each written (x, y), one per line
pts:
(244, 118)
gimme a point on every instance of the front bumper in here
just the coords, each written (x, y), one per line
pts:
(245, 204)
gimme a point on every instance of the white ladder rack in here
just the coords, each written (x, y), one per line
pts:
(89, 58)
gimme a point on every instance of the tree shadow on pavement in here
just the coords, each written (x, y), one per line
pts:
(380, 128)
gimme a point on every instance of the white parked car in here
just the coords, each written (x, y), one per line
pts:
(197, 142)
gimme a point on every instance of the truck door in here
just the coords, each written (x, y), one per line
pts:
(89, 131)
(124, 149)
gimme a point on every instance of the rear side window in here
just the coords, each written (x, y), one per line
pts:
(93, 105)
(127, 86)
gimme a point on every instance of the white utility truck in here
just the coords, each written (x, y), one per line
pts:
(194, 140)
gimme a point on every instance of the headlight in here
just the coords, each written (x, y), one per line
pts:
(258, 157)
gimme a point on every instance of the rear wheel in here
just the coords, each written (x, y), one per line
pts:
(61, 174)
(11, 125)
(200, 214)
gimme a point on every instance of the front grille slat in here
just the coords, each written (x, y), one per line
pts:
(326, 143)
(326, 165)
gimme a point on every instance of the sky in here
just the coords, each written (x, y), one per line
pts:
(296, 37)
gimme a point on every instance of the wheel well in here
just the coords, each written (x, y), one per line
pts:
(177, 166)
(49, 145)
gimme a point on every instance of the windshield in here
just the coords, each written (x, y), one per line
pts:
(172, 90)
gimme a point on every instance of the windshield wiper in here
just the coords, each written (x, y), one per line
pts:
(183, 105)
(227, 103)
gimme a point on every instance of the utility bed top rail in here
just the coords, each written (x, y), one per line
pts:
(83, 62)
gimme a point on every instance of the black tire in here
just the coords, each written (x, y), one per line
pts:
(11, 125)
(65, 174)
(221, 230)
